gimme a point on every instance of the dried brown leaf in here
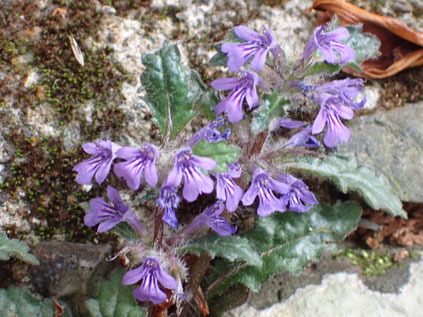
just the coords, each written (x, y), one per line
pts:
(76, 50)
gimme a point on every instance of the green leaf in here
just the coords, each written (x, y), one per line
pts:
(125, 230)
(365, 45)
(115, 299)
(233, 248)
(347, 175)
(221, 152)
(220, 58)
(289, 242)
(272, 106)
(145, 195)
(323, 68)
(13, 247)
(207, 103)
(18, 301)
(171, 89)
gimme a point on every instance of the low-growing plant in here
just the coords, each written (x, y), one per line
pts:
(239, 169)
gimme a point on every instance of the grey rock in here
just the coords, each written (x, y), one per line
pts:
(69, 270)
(391, 142)
(417, 4)
(402, 5)
(345, 293)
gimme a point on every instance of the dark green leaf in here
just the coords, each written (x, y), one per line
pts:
(171, 89)
(233, 248)
(289, 242)
(115, 299)
(221, 152)
(220, 58)
(16, 248)
(271, 106)
(347, 175)
(18, 301)
(207, 103)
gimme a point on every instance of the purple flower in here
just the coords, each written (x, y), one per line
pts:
(137, 162)
(289, 124)
(302, 138)
(226, 189)
(151, 274)
(243, 87)
(104, 153)
(345, 90)
(264, 186)
(113, 214)
(329, 114)
(169, 201)
(210, 133)
(300, 199)
(187, 165)
(333, 51)
(257, 45)
(210, 217)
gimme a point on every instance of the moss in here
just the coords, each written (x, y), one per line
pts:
(49, 185)
(373, 262)
(50, 188)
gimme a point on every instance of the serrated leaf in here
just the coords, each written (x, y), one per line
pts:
(16, 248)
(18, 301)
(271, 106)
(221, 152)
(233, 248)
(347, 175)
(115, 299)
(171, 89)
(289, 242)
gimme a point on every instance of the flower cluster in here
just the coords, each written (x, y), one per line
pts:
(174, 173)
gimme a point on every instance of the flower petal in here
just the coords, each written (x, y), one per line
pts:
(245, 33)
(225, 83)
(133, 276)
(108, 224)
(259, 59)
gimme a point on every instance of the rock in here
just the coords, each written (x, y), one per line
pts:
(69, 269)
(402, 6)
(395, 148)
(334, 286)
(372, 94)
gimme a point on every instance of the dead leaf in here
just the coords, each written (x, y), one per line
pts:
(401, 46)
(201, 301)
(76, 50)
(58, 309)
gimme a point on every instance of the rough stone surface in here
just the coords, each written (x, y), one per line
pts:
(395, 150)
(69, 269)
(342, 293)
